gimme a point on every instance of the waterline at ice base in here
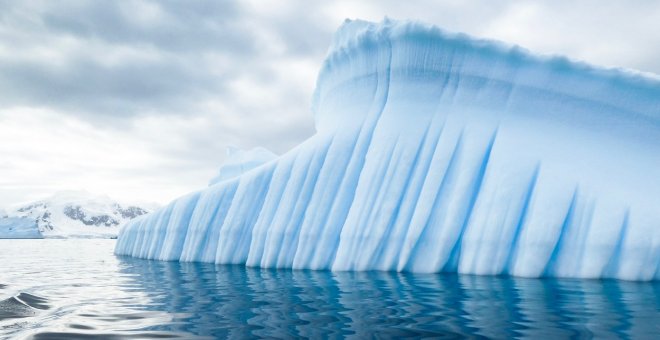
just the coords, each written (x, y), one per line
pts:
(437, 152)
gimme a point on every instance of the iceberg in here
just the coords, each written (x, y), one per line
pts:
(18, 227)
(438, 152)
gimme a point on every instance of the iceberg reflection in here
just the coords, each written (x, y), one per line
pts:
(235, 301)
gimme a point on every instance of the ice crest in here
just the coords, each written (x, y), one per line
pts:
(240, 161)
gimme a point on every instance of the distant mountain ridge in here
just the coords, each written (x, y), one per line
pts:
(78, 214)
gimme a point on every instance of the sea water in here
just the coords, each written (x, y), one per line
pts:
(77, 288)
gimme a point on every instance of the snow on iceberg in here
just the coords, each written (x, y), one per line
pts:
(240, 161)
(436, 152)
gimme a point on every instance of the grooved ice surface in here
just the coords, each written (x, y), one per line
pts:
(437, 152)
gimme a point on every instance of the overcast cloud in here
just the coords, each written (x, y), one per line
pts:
(139, 99)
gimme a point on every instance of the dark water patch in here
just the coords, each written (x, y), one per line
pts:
(108, 336)
(21, 306)
(13, 308)
(120, 317)
(33, 301)
(79, 326)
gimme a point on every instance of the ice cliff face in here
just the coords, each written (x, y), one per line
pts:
(435, 152)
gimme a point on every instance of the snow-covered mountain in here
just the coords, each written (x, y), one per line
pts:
(78, 214)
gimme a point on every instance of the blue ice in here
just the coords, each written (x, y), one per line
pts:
(437, 152)
(18, 227)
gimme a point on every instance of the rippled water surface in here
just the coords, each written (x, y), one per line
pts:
(77, 289)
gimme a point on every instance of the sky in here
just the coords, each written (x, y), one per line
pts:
(140, 99)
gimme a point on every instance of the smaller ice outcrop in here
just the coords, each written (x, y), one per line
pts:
(240, 161)
(18, 227)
